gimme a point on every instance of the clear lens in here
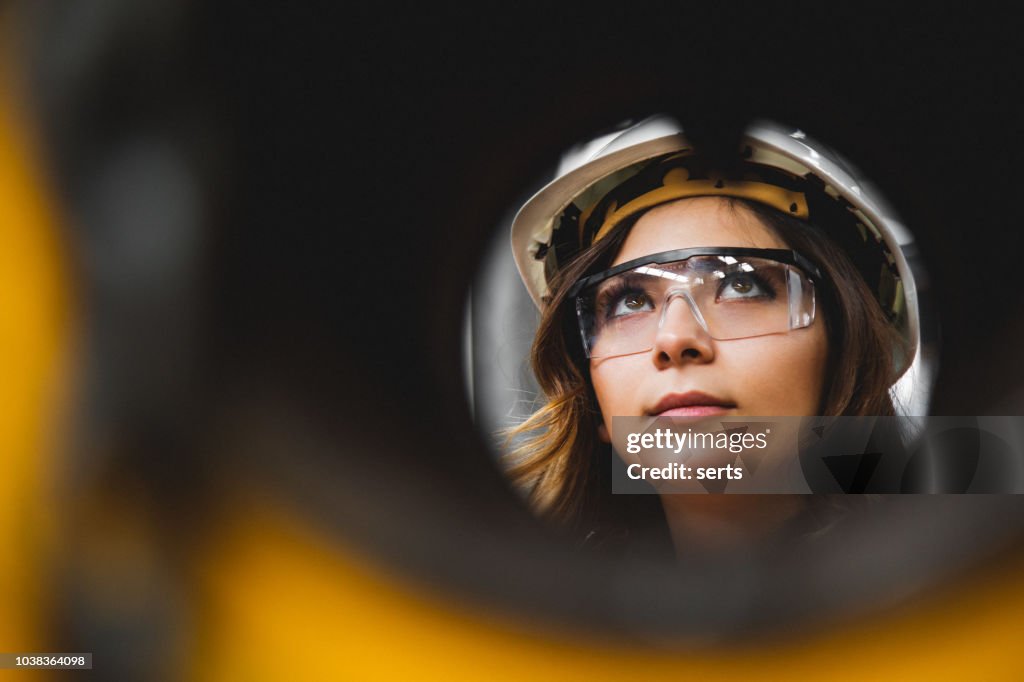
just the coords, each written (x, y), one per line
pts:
(730, 297)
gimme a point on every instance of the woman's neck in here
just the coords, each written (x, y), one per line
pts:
(705, 522)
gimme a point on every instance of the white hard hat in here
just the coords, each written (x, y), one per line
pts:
(780, 167)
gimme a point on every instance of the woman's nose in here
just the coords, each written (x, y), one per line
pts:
(681, 338)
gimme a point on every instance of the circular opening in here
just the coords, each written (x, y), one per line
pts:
(824, 566)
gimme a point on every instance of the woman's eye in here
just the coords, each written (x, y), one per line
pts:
(628, 304)
(741, 287)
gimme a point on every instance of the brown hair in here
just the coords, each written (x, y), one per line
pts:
(555, 457)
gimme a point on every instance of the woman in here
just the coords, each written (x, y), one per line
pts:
(775, 287)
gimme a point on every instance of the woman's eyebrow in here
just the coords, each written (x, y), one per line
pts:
(660, 271)
(624, 279)
(611, 283)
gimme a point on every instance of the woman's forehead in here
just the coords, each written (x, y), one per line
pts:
(701, 221)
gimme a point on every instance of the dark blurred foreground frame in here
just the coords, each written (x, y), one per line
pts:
(276, 215)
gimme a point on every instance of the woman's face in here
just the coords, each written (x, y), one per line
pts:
(773, 375)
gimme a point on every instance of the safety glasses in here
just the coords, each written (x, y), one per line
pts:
(733, 293)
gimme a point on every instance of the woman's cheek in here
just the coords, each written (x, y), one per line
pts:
(615, 385)
(784, 375)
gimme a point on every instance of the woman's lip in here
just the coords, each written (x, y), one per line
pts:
(691, 403)
(694, 411)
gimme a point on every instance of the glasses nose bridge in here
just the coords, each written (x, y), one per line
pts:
(672, 296)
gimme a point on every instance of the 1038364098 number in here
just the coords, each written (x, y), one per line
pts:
(51, 661)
